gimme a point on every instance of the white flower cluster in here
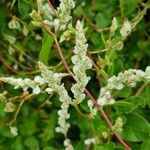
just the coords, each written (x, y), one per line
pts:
(125, 29)
(64, 11)
(45, 11)
(67, 144)
(25, 83)
(14, 131)
(81, 63)
(54, 84)
(46, 15)
(90, 141)
(127, 78)
(9, 107)
(117, 127)
(93, 110)
(105, 97)
(114, 26)
(63, 116)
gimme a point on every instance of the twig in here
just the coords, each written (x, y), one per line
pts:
(88, 116)
(19, 108)
(4, 62)
(59, 50)
(52, 8)
(140, 89)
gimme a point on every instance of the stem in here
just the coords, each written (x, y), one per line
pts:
(106, 119)
(141, 89)
(86, 91)
(82, 114)
(59, 50)
(19, 108)
(52, 8)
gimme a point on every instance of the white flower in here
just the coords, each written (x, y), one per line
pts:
(67, 144)
(132, 76)
(110, 101)
(114, 25)
(49, 90)
(39, 80)
(104, 97)
(147, 73)
(54, 84)
(14, 24)
(126, 28)
(47, 22)
(81, 63)
(140, 74)
(36, 90)
(14, 131)
(91, 107)
(127, 78)
(90, 141)
(45, 10)
(56, 23)
(65, 10)
(35, 16)
(63, 116)
(114, 83)
(25, 83)
(10, 107)
(90, 103)
(120, 46)
(54, 18)
(117, 127)
(102, 101)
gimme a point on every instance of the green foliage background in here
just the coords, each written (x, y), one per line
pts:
(38, 116)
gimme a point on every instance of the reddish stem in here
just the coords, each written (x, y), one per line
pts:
(87, 92)
(52, 8)
(106, 119)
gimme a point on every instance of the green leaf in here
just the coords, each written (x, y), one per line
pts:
(80, 145)
(138, 123)
(123, 107)
(99, 125)
(129, 134)
(107, 146)
(146, 144)
(47, 43)
(2, 18)
(28, 126)
(136, 101)
(24, 9)
(129, 6)
(97, 6)
(17, 144)
(146, 95)
(49, 148)
(32, 142)
(102, 20)
(124, 92)
(11, 39)
(136, 128)
(50, 125)
(96, 39)
(78, 11)
(2, 106)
